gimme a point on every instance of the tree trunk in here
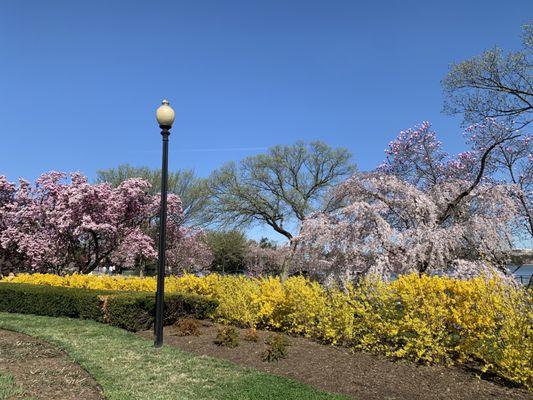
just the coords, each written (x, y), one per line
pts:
(287, 263)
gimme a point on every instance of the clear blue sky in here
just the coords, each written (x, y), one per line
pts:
(80, 80)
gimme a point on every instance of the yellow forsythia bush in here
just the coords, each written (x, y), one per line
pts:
(426, 319)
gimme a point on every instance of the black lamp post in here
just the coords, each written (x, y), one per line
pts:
(165, 118)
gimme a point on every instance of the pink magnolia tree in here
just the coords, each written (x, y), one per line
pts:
(498, 153)
(188, 251)
(511, 161)
(420, 211)
(9, 256)
(269, 259)
(63, 224)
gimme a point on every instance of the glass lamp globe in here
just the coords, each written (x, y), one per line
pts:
(165, 114)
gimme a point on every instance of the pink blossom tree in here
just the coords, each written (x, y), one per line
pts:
(9, 257)
(498, 153)
(265, 258)
(421, 211)
(64, 224)
(388, 226)
(512, 161)
(188, 251)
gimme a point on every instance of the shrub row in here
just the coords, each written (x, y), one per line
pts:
(425, 319)
(133, 311)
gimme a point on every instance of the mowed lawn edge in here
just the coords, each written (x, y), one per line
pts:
(127, 367)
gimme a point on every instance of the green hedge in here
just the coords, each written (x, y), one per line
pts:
(133, 311)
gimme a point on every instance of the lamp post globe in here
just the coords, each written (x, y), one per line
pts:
(165, 118)
(165, 114)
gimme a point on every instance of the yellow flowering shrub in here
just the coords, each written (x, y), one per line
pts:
(426, 319)
(302, 306)
(270, 295)
(437, 319)
(98, 282)
(337, 321)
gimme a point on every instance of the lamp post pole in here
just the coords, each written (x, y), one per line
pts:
(165, 118)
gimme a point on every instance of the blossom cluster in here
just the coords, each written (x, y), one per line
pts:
(62, 223)
(425, 211)
(388, 226)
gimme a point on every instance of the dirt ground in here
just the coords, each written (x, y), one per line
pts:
(339, 370)
(43, 371)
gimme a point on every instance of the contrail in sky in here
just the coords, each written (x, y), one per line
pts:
(207, 149)
(221, 149)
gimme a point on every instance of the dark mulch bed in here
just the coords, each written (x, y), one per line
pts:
(339, 370)
(43, 371)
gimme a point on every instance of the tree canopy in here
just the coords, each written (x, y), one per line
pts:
(279, 188)
(64, 224)
(190, 188)
(229, 250)
(422, 210)
(493, 85)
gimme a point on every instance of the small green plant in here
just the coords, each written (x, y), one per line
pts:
(276, 348)
(188, 326)
(227, 336)
(251, 335)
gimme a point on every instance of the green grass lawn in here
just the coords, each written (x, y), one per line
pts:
(8, 389)
(127, 366)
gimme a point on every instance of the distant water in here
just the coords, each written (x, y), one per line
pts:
(523, 273)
